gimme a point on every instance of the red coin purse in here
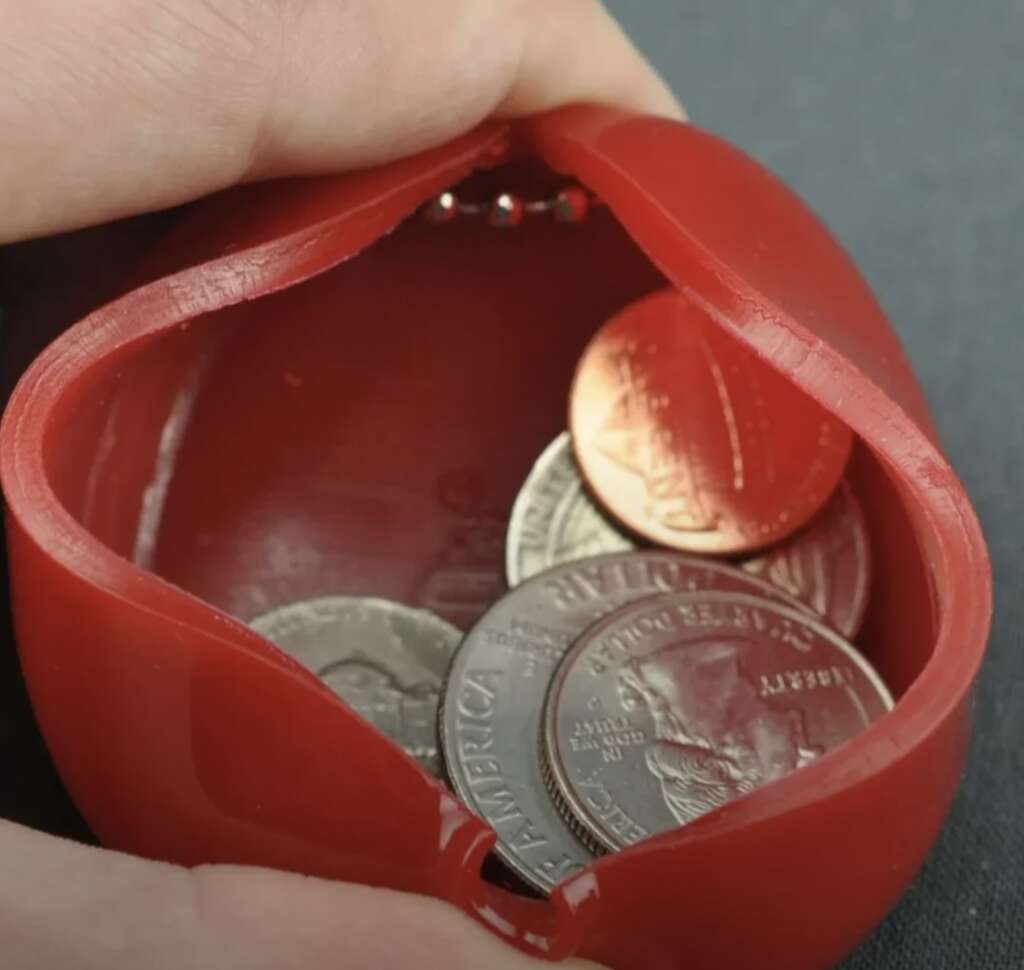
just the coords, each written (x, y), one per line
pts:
(335, 395)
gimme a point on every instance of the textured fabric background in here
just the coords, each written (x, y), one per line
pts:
(902, 123)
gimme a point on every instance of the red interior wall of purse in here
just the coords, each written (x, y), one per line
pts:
(366, 432)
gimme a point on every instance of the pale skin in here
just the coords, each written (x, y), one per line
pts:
(114, 107)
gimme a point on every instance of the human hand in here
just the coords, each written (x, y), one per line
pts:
(114, 107)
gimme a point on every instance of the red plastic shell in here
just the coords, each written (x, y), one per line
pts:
(299, 412)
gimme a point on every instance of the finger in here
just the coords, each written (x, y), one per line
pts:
(73, 906)
(120, 106)
(587, 57)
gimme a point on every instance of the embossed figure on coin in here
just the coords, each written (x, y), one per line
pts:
(493, 705)
(676, 476)
(385, 660)
(678, 704)
(405, 711)
(691, 441)
(715, 738)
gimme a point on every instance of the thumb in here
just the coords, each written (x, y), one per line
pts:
(81, 908)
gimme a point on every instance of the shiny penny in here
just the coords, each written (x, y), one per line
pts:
(826, 564)
(679, 704)
(690, 441)
(491, 713)
(385, 660)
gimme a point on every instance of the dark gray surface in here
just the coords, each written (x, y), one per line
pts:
(902, 123)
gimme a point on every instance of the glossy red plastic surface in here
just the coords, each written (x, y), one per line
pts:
(302, 412)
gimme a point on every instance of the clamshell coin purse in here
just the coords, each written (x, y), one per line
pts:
(327, 393)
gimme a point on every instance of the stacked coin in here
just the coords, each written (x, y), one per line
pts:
(632, 678)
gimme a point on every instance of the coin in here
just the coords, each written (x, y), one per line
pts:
(690, 441)
(491, 712)
(676, 705)
(554, 520)
(385, 660)
(826, 565)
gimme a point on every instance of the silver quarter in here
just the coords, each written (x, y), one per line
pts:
(492, 711)
(385, 660)
(679, 704)
(554, 520)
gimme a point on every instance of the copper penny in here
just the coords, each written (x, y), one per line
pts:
(678, 704)
(690, 441)
(827, 564)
